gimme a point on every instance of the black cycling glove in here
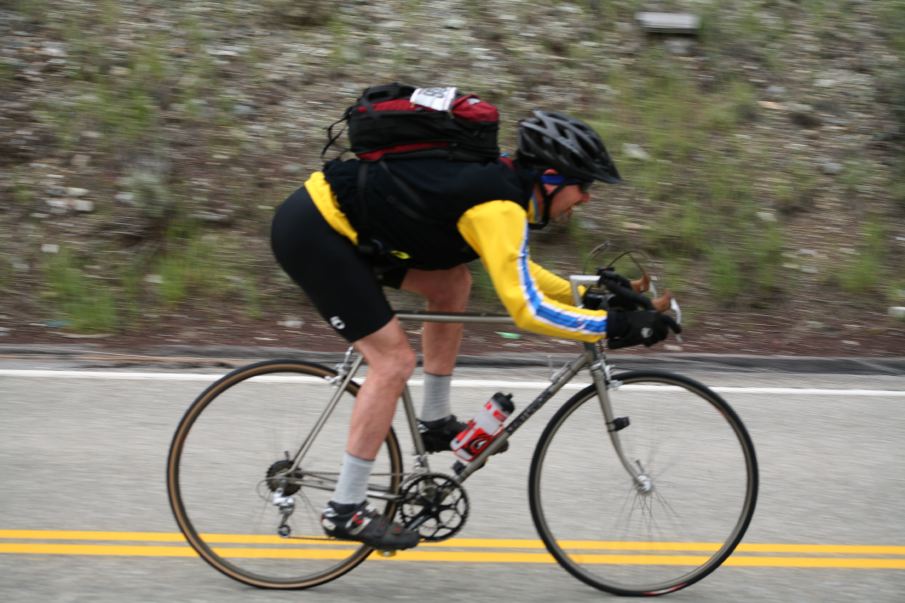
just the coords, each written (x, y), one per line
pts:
(621, 293)
(626, 329)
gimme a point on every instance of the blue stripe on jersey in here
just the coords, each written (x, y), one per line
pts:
(552, 315)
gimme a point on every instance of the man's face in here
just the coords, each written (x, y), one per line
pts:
(565, 200)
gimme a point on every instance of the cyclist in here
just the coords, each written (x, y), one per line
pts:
(424, 219)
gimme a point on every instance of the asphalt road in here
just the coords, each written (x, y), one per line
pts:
(83, 510)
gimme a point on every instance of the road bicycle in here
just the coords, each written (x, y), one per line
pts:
(642, 483)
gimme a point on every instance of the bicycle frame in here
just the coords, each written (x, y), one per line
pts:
(593, 357)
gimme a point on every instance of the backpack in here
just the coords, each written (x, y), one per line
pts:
(396, 120)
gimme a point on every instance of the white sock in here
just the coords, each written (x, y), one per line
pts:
(352, 485)
(436, 397)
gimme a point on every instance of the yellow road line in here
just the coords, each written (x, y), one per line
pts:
(449, 556)
(461, 543)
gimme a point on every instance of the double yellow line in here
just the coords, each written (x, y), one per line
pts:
(459, 550)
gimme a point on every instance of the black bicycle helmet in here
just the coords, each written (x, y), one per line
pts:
(565, 144)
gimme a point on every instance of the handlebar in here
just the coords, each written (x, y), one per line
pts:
(631, 291)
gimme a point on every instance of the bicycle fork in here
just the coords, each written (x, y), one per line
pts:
(600, 372)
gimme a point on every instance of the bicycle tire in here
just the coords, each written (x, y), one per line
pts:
(208, 478)
(665, 530)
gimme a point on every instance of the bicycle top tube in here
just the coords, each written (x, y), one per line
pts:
(463, 317)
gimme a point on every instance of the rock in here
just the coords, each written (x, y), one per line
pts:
(804, 115)
(243, 110)
(211, 217)
(455, 23)
(76, 192)
(54, 50)
(80, 160)
(225, 52)
(125, 198)
(897, 312)
(58, 205)
(83, 206)
(830, 168)
(668, 23)
(766, 216)
(50, 248)
(775, 93)
(291, 323)
(680, 47)
(154, 279)
(634, 151)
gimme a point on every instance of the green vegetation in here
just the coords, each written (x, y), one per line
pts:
(192, 267)
(85, 301)
(697, 178)
(206, 266)
(897, 186)
(6, 274)
(176, 117)
(864, 272)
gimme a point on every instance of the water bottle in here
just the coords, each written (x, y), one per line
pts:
(485, 426)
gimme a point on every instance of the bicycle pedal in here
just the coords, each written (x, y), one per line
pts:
(387, 554)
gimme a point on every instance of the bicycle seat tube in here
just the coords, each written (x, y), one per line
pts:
(340, 385)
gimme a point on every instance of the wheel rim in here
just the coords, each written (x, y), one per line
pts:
(229, 455)
(630, 538)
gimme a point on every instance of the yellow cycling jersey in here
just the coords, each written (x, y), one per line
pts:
(497, 231)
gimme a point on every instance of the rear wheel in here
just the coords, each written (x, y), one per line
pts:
(232, 488)
(675, 525)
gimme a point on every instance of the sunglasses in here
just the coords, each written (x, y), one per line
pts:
(555, 179)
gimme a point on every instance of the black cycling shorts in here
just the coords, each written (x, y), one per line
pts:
(344, 286)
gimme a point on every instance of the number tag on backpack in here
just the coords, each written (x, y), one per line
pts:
(438, 99)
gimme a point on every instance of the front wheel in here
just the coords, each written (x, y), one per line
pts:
(681, 516)
(236, 493)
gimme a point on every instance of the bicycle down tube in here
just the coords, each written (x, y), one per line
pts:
(592, 356)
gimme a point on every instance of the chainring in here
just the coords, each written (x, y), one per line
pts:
(435, 505)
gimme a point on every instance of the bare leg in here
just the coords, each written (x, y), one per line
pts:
(390, 362)
(347, 516)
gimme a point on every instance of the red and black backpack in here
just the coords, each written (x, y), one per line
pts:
(400, 121)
